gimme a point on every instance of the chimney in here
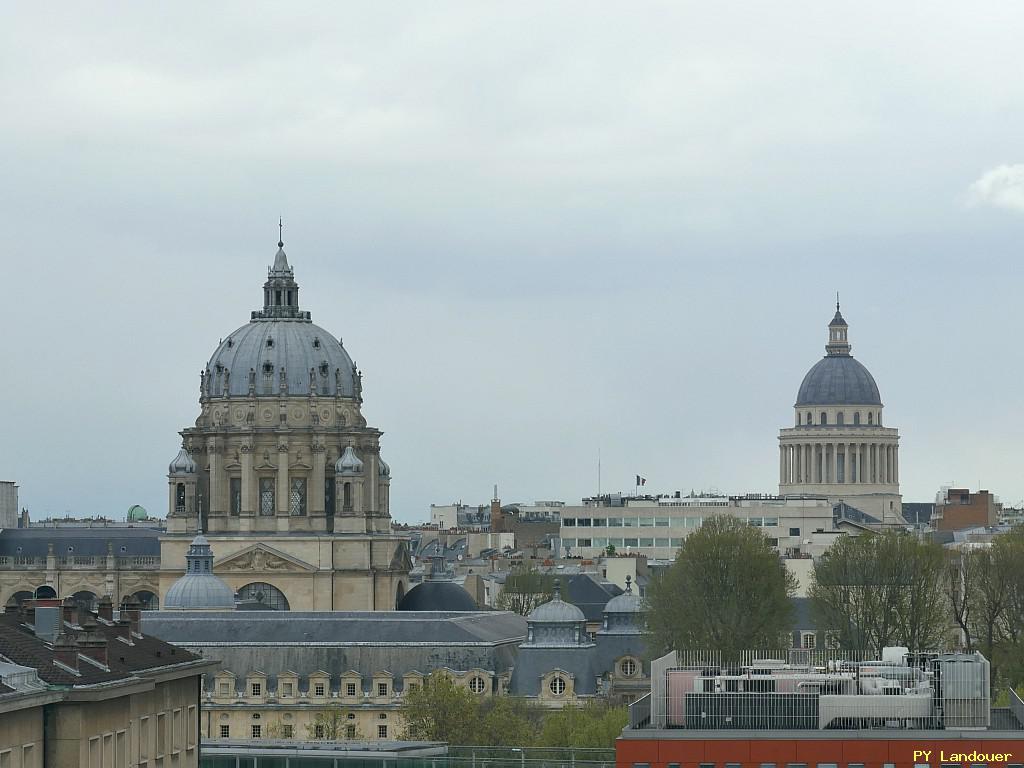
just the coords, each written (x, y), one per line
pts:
(70, 611)
(131, 609)
(106, 608)
(92, 642)
(496, 518)
(65, 650)
(124, 629)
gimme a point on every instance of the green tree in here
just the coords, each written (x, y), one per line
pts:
(439, 710)
(508, 721)
(876, 590)
(525, 588)
(726, 590)
(594, 725)
(332, 724)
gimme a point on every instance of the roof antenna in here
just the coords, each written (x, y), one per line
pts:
(837, 301)
(280, 232)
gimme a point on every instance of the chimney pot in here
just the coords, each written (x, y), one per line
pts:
(124, 628)
(65, 650)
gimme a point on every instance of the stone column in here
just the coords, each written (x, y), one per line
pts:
(317, 506)
(835, 462)
(896, 459)
(782, 463)
(248, 487)
(282, 478)
(214, 504)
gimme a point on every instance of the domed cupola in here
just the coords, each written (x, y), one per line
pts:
(557, 623)
(280, 352)
(385, 468)
(183, 464)
(437, 592)
(348, 463)
(623, 614)
(838, 379)
(199, 589)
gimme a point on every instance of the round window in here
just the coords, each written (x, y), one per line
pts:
(476, 685)
(557, 685)
(628, 667)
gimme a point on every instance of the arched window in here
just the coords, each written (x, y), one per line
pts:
(179, 498)
(809, 419)
(840, 418)
(399, 593)
(856, 417)
(147, 600)
(263, 596)
(557, 685)
(824, 418)
(879, 419)
(346, 501)
(871, 418)
(45, 592)
(84, 600)
(22, 596)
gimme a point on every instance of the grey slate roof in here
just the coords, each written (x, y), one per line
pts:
(437, 596)
(294, 347)
(34, 542)
(838, 380)
(336, 627)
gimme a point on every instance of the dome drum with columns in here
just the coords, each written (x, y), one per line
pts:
(281, 450)
(838, 447)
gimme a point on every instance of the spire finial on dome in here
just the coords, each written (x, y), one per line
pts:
(557, 589)
(837, 301)
(280, 232)
(629, 584)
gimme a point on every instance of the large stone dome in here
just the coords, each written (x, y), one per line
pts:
(838, 379)
(199, 589)
(281, 339)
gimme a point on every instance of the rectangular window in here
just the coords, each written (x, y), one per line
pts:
(267, 496)
(676, 542)
(288, 730)
(629, 522)
(382, 731)
(223, 689)
(615, 542)
(661, 522)
(350, 689)
(29, 750)
(772, 765)
(646, 542)
(614, 522)
(629, 542)
(318, 689)
(286, 690)
(583, 543)
(569, 522)
(143, 738)
(827, 765)
(350, 731)
(236, 495)
(771, 522)
(161, 734)
(297, 497)
(568, 542)
(808, 640)
(600, 542)
(318, 731)
(225, 731)
(257, 689)
(257, 731)
(583, 522)
(706, 765)
(382, 689)
(661, 542)
(412, 687)
(733, 765)
(646, 522)
(794, 531)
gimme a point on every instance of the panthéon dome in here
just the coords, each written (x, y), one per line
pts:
(838, 379)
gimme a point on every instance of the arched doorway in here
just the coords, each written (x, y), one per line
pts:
(85, 600)
(147, 600)
(45, 592)
(260, 596)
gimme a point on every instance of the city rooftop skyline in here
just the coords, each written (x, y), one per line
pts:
(540, 233)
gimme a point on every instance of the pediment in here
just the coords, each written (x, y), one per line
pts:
(261, 557)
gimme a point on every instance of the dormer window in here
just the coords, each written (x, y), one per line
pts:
(316, 343)
(270, 342)
(324, 368)
(231, 343)
(268, 369)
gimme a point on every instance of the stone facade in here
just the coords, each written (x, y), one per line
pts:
(282, 471)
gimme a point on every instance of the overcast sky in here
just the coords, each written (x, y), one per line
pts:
(542, 229)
